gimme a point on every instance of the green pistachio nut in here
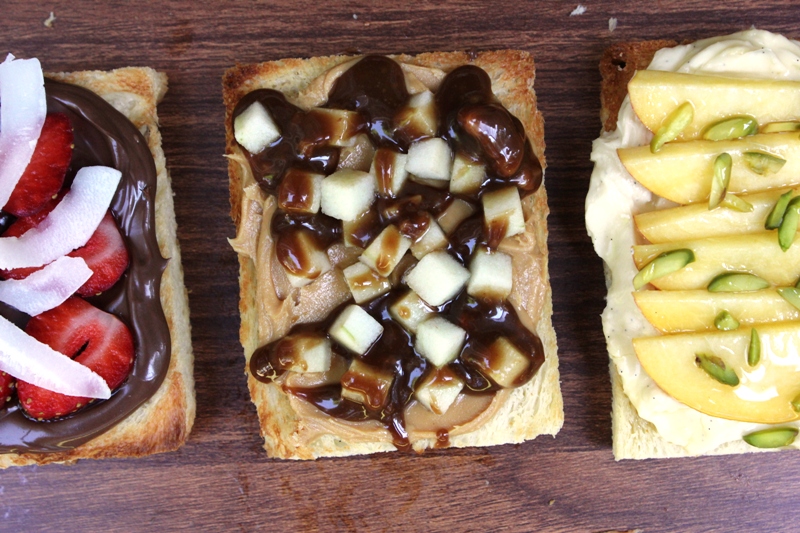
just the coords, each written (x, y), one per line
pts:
(775, 216)
(717, 369)
(737, 282)
(673, 126)
(720, 180)
(780, 127)
(796, 403)
(771, 438)
(731, 128)
(725, 322)
(664, 264)
(754, 348)
(791, 295)
(731, 201)
(763, 163)
(787, 231)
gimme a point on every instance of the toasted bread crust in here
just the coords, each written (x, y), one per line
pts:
(162, 423)
(530, 410)
(620, 62)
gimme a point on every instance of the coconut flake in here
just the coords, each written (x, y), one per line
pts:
(46, 288)
(68, 226)
(23, 107)
(29, 360)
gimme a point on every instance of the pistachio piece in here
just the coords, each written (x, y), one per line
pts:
(771, 438)
(763, 163)
(673, 125)
(720, 180)
(780, 127)
(737, 282)
(787, 231)
(754, 348)
(796, 403)
(731, 128)
(731, 201)
(717, 369)
(664, 264)
(791, 295)
(775, 216)
(725, 322)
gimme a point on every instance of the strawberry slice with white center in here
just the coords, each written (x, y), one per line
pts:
(44, 175)
(7, 384)
(96, 339)
(104, 253)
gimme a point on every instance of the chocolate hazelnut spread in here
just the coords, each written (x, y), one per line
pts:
(103, 136)
(473, 123)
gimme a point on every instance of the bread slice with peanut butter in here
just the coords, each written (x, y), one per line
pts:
(380, 226)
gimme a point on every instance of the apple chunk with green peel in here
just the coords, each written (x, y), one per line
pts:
(756, 253)
(695, 310)
(764, 393)
(682, 171)
(655, 94)
(696, 221)
(304, 352)
(355, 329)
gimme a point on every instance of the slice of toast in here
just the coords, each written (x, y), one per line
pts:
(633, 436)
(164, 421)
(292, 428)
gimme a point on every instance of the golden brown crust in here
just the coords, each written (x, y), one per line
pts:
(620, 62)
(162, 423)
(529, 411)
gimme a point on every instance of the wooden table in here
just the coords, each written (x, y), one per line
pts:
(221, 480)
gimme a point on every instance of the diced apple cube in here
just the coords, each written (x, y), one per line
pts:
(355, 329)
(365, 283)
(433, 239)
(410, 311)
(389, 169)
(430, 159)
(437, 278)
(359, 232)
(347, 193)
(383, 254)
(300, 191)
(254, 128)
(455, 213)
(502, 213)
(418, 118)
(439, 341)
(357, 153)
(491, 276)
(438, 390)
(303, 259)
(367, 385)
(505, 363)
(304, 352)
(339, 125)
(467, 175)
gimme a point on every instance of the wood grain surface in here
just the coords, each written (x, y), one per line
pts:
(221, 480)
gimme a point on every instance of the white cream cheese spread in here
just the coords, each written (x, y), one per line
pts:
(614, 197)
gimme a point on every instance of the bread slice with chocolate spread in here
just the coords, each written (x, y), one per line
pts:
(163, 422)
(272, 307)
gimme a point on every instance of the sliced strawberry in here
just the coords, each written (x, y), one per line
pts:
(44, 175)
(94, 338)
(6, 388)
(106, 256)
(104, 252)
